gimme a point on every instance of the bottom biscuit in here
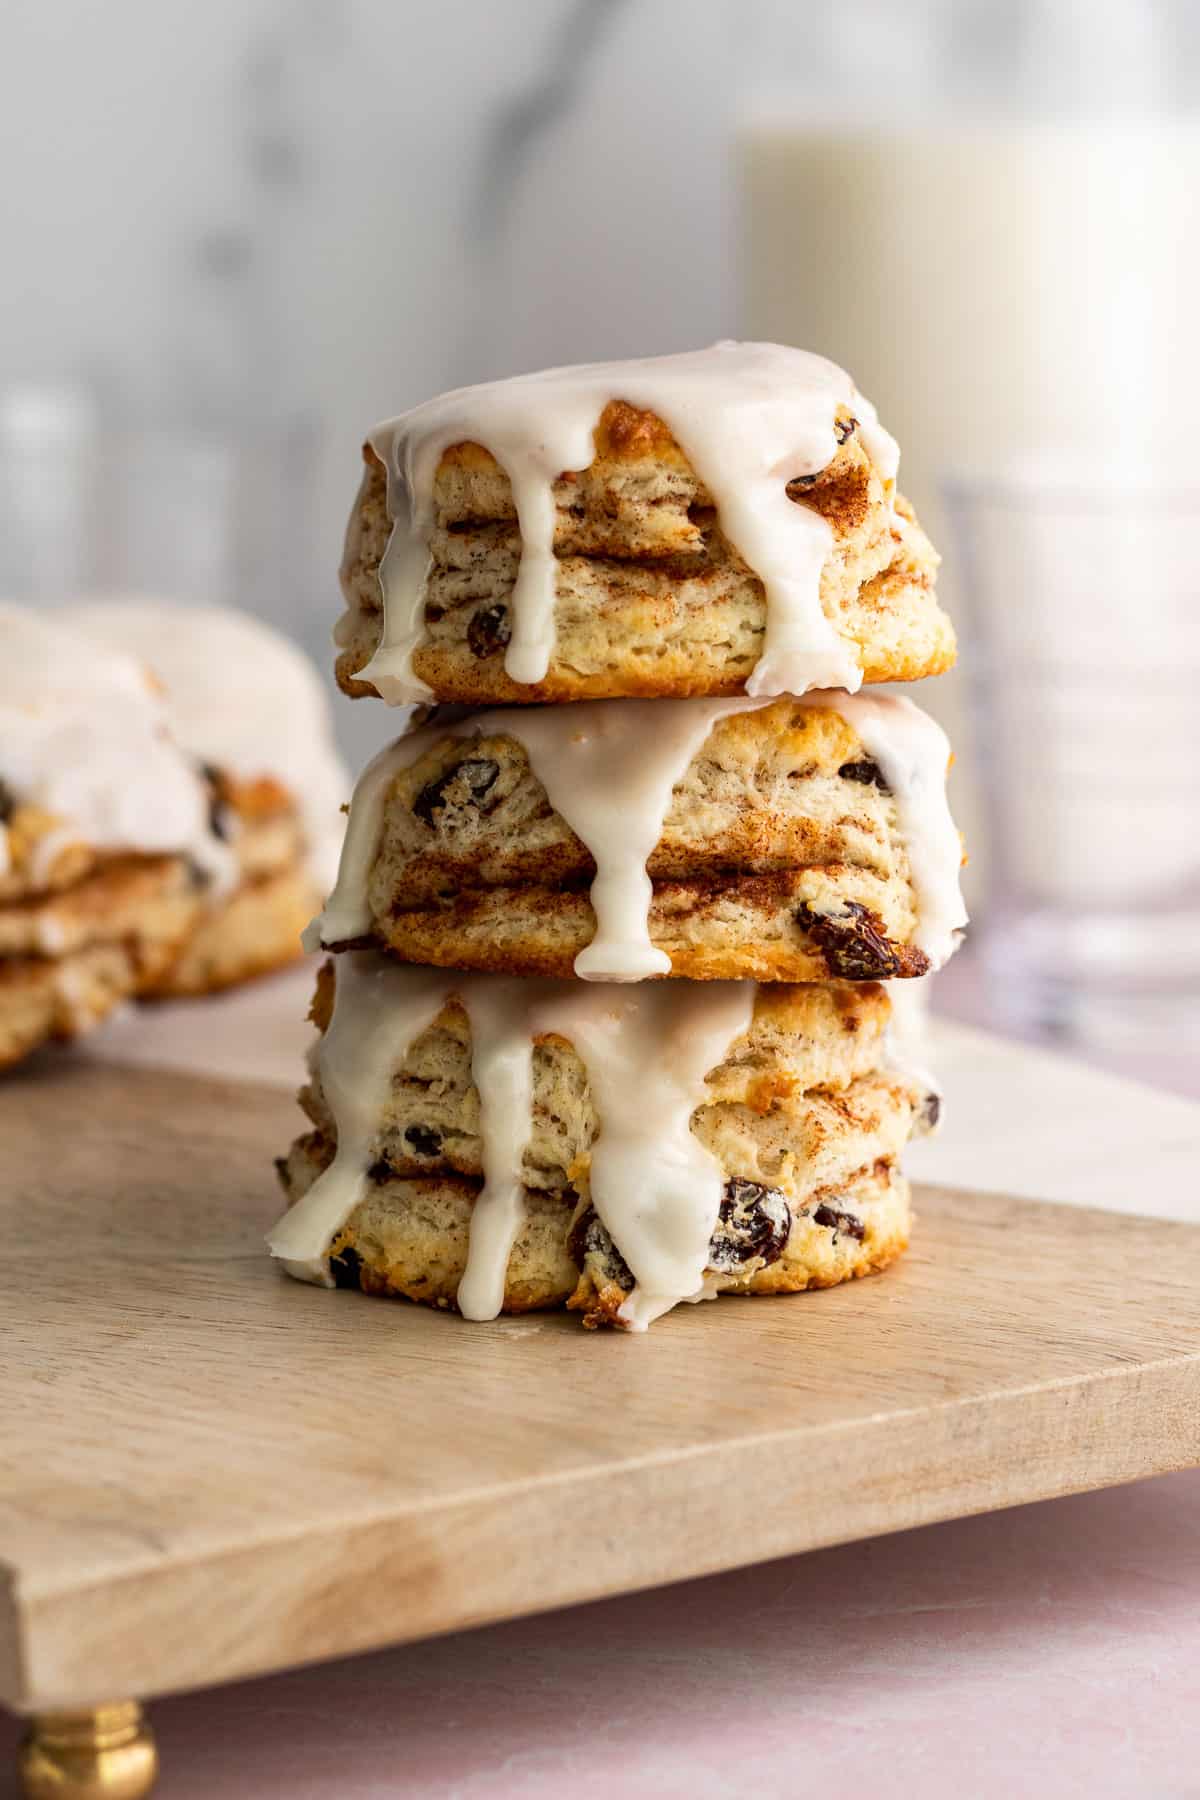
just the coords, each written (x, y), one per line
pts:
(409, 1238)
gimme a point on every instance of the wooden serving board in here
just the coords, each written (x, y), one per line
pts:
(207, 1470)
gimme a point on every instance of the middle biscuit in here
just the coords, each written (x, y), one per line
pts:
(783, 840)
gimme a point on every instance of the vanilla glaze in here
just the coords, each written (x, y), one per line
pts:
(750, 418)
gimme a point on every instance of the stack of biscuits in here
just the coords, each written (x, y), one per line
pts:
(606, 1022)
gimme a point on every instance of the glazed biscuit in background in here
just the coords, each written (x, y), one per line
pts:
(69, 958)
(778, 840)
(250, 707)
(107, 847)
(257, 926)
(243, 699)
(89, 768)
(715, 523)
(766, 1119)
(409, 1238)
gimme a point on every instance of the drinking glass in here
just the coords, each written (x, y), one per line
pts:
(1082, 644)
(90, 504)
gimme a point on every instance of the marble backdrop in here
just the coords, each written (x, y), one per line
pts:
(311, 213)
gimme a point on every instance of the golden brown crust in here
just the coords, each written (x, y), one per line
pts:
(28, 829)
(256, 928)
(744, 928)
(818, 1254)
(130, 926)
(253, 932)
(653, 600)
(44, 1000)
(119, 930)
(256, 799)
(258, 818)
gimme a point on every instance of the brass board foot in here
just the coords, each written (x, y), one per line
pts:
(103, 1753)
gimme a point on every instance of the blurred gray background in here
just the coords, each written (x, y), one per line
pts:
(269, 224)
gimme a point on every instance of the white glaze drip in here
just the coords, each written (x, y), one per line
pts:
(379, 1008)
(748, 417)
(502, 1070)
(347, 914)
(241, 697)
(609, 768)
(85, 737)
(647, 1052)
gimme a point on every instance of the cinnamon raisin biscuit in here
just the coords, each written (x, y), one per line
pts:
(784, 853)
(250, 709)
(89, 769)
(243, 700)
(651, 597)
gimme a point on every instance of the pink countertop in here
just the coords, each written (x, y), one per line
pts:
(1052, 1650)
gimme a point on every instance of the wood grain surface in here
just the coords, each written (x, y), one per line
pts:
(208, 1470)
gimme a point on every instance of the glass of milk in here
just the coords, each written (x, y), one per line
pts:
(991, 215)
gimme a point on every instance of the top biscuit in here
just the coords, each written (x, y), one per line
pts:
(771, 555)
